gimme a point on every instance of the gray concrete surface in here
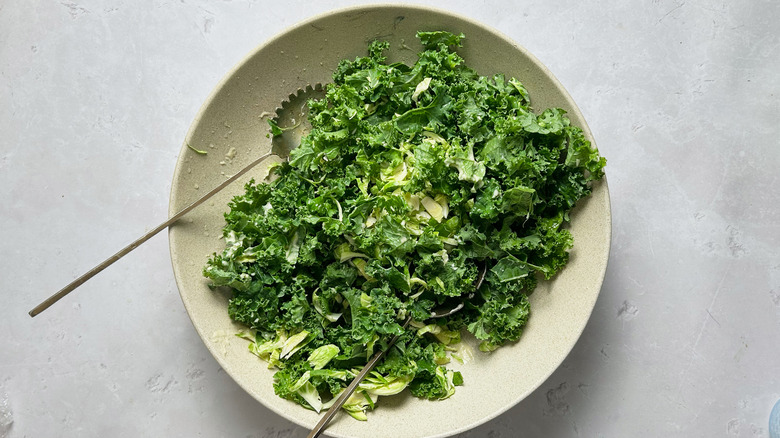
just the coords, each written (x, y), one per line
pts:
(682, 97)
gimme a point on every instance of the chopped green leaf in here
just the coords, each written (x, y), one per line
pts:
(412, 180)
(197, 151)
(275, 129)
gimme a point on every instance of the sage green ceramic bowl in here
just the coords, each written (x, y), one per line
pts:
(232, 127)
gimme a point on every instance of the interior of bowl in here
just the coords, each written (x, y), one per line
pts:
(232, 127)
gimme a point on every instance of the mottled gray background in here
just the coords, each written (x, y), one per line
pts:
(682, 97)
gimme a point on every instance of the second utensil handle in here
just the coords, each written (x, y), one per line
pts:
(136, 243)
(334, 409)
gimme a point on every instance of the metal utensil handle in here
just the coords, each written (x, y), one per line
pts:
(334, 409)
(135, 244)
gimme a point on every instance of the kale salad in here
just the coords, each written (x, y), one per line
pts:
(411, 181)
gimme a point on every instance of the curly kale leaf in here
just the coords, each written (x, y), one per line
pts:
(412, 180)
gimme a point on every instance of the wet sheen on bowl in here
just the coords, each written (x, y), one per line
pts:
(232, 127)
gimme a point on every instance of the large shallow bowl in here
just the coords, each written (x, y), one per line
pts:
(232, 127)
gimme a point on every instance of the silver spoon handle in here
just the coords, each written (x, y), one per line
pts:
(136, 243)
(334, 409)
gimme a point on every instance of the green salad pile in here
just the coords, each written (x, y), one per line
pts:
(412, 179)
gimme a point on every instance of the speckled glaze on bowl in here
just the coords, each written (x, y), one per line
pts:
(232, 127)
